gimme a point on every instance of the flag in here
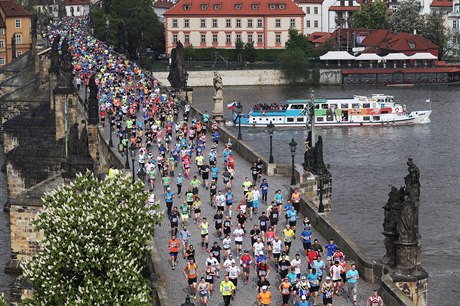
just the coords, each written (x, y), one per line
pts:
(428, 101)
(232, 105)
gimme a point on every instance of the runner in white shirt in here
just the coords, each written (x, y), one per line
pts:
(258, 246)
(213, 261)
(295, 263)
(255, 199)
(219, 201)
(276, 250)
(233, 273)
(228, 262)
(238, 233)
(227, 245)
(335, 272)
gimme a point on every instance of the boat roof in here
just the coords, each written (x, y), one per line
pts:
(303, 101)
(320, 101)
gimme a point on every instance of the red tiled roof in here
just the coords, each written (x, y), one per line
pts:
(375, 38)
(11, 9)
(336, 8)
(402, 70)
(76, 2)
(317, 35)
(402, 42)
(441, 3)
(310, 1)
(163, 4)
(2, 23)
(230, 8)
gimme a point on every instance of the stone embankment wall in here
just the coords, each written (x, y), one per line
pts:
(248, 77)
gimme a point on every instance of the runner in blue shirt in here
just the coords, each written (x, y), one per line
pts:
(179, 181)
(331, 247)
(352, 282)
(306, 238)
(264, 189)
(314, 284)
(169, 196)
(319, 265)
(229, 201)
(214, 172)
(303, 301)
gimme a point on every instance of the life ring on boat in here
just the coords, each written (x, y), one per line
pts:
(397, 109)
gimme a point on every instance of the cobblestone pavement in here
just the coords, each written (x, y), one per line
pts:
(177, 288)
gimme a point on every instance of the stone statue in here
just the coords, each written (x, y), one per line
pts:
(93, 102)
(55, 57)
(176, 75)
(72, 142)
(83, 150)
(93, 88)
(218, 86)
(313, 157)
(400, 224)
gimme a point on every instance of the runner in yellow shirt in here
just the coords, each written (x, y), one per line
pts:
(227, 288)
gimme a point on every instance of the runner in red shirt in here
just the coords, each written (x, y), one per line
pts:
(245, 262)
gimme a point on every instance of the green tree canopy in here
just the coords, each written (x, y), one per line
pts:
(371, 16)
(130, 20)
(293, 64)
(297, 40)
(435, 31)
(407, 18)
(94, 247)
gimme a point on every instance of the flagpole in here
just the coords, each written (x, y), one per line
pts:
(429, 101)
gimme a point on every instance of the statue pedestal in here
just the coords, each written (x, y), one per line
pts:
(218, 112)
(407, 256)
(76, 164)
(414, 285)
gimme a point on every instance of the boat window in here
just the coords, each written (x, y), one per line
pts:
(290, 119)
(355, 105)
(266, 119)
(366, 118)
(300, 119)
(366, 105)
(319, 118)
(324, 106)
(297, 106)
(376, 118)
(344, 105)
(316, 106)
(333, 106)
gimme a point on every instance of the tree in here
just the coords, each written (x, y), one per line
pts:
(94, 246)
(406, 18)
(371, 16)
(435, 31)
(297, 40)
(133, 19)
(293, 64)
(2, 300)
(453, 44)
(249, 53)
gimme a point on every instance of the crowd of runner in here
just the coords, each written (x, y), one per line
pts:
(178, 155)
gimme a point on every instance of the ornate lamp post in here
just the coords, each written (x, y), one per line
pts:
(126, 148)
(293, 147)
(132, 150)
(271, 128)
(185, 85)
(312, 117)
(320, 190)
(239, 111)
(110, 112)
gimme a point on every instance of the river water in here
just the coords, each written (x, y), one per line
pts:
(366, 162)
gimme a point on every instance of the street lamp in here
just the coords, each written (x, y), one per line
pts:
(320, 190)
(239, 111)
(271, 128)
(141, 174)
(185, 85)
(132, 149)
(293, 146)
(86, 92)
(312, 118)
(109, 112)
(126, 148)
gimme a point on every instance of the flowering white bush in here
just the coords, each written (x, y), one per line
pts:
(2, 300)
(95, 244)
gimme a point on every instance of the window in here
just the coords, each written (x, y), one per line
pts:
(214, 38)
(237, 7)
(260, 23)
(2, 44)
(174, 23)
(250, 40)
(315, 23)
(412, 45)
(217, 7)
(344, 106)
(228, 38)
(187, 7)
(260, 38)
(278, 38)
(454, 24)
(203, 23)
(282, 6)
(238, 23)
(318, 119)
(308, 10)
(376, 118)
(187, 38)
(18, 39)
(290, 119)
(238, 37)
(366, 105)
(186, 23)
(175, 38)
(18, 53)
(249, 23)
(366, 118)
(292, 25)
(300, 119)
(2, 61)
(277, 23)
(203, 38)
(272, 6)
(18, 23)
(204, 7)
(308, 23)
(2, 31)
(78, 8)
(255, 7)
(315, 10)
(228, 23)
(214, 23)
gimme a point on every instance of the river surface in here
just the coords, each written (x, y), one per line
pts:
(366, 162)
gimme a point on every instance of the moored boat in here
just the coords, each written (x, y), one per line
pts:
(377, 110)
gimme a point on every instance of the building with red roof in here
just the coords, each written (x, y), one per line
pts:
(340, 15)
(161, 6)
(15, 31)
(220, 24)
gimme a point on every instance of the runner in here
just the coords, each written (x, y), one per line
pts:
(264, 298)
(288, 236)
(306, 238)
(238, 234)
(184, 213)
(173, 245)
(330, 249)
(285, 290)
(374, 299)
(245, 262)
(352, 283)
(174, 219)
(335, 272)
(204, 288)
(295, 199)
(276, 250)
(184, 236)
(218, 221)
(191, 273)
(215, 250)
(227, 288)
(264, 189)
(179, 181)
(320, 266)
(229, 201)
(327, 289)
(197, 209)
(233, 274)
(313, 280)
(204, 226)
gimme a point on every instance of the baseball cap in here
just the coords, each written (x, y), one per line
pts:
(261, 252)
(303, 297)
(328, 278)
(264, 287)
(303, 277)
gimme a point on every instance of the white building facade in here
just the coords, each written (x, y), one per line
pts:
(220, 24)
(313, 15)
(77, 7)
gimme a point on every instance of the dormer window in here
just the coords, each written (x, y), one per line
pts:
(204, 7)
(217, 7)
(282, 6)
(255, 7)
(237, 7)
(412, 45)
(187, 7)
(272, 6)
